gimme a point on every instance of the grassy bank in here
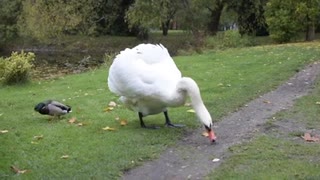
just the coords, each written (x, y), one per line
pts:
(227, 80)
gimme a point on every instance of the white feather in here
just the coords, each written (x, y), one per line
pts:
(148, 81)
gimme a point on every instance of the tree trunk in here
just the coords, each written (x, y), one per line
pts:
(143, 34)
(310, 34)
(165, 27)
(213, 25)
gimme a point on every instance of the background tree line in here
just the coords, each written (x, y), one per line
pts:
(47, 20)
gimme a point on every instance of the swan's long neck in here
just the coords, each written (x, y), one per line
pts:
(191, 88)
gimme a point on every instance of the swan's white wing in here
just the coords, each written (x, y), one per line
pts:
(144, 71)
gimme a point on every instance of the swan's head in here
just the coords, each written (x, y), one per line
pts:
(205, 118)
(211, 134)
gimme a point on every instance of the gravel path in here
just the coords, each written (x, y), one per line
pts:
(192, 157)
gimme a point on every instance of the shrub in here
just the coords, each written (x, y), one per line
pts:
(16, 68)
(229, 39)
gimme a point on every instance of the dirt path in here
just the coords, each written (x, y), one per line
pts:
(192, 157)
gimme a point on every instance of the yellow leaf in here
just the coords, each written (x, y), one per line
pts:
(267, 102)
(123, 122)
(64, 157)
(33, 142)
(72, 120)
(187, 104)
(191, 111)
(108, 109)
(38, 137)
(3, 131)
(108, 128)
(17, 170)
(318, 102)
(205, 134)
(112, 104)
(80, 124)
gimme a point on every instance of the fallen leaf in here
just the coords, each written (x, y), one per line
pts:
(123, 122)
(191, 111)
(215, 160)
(72, 120)
(267, 102)
(307, 137)
(117, 118)
(34, 142)
(187, 104)
(17, 170)
(108, 128)
(38, 137)
(64, 157)
(112, 104)
(80, 124)
(108, 109)
(318, 102)
(3, 131)
(205, 134)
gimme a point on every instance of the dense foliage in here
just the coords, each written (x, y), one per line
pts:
(287, 18)
(16, 68)
(9, 11)
(49, 20)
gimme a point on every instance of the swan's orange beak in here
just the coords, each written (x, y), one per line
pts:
(212, 136)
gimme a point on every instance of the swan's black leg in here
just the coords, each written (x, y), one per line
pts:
(143, 125)
(141, 121)
(168, 122)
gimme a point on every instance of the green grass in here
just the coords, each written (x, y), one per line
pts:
(271, 157)
(268, 157)
(227, 80)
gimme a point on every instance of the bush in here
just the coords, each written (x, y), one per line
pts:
(229, 39)
(16, 68)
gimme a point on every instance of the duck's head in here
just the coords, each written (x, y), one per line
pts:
(39, 106)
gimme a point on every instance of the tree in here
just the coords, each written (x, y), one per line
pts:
(250, 15)
(152, 14)
(214, 10)
(111, 17)
(43, 19)
(281, 20)
(9, 12)
(286, 18)
(308, 12)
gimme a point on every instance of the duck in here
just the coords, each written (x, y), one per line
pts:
(52, 108)
(148, 82)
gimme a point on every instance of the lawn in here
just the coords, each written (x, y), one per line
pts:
(58, 149)
(275, 153)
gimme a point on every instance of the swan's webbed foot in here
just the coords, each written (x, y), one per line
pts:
(174, 125)
(143, 125)
(168, 122)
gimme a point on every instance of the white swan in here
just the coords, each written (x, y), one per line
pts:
(148, 81)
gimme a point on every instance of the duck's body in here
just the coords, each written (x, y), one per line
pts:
(148, 81)
(52, 108)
